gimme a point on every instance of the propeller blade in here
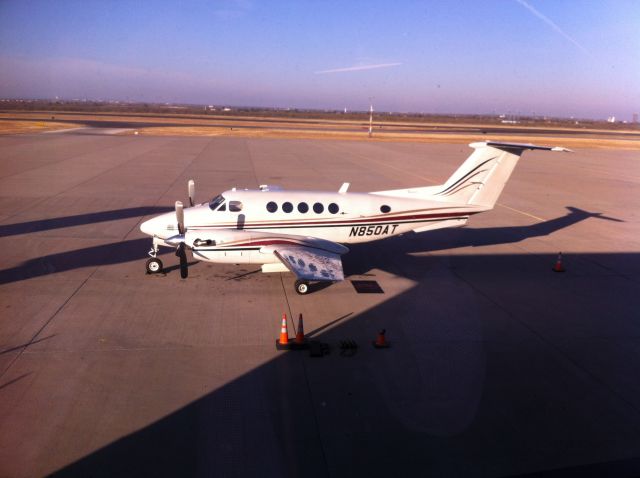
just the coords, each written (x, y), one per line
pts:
(191, 185)
(180, 217)
(184, 266)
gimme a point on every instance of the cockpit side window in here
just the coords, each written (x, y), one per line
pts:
(235, 206)
(215, 202)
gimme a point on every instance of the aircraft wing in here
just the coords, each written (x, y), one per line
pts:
(310, 263)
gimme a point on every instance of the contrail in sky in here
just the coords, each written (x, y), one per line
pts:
(551, 23)
(358, 68)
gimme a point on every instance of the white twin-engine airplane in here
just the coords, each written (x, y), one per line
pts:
(304, 231)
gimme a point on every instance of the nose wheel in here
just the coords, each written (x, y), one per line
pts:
(302, 287)
(154, 266)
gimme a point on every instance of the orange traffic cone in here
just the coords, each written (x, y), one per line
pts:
(381, 342)
(284, 333)
(300, 332)
(558, 267)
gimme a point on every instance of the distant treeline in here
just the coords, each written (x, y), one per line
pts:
(78, 106)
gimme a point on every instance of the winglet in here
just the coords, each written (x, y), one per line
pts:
(344, 187)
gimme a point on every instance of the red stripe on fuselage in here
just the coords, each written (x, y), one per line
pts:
(346, 222)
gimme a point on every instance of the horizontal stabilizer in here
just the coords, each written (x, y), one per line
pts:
(519, 146)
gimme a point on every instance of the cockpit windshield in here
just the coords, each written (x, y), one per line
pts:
(215, 202)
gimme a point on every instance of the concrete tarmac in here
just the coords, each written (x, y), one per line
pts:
(498, 365)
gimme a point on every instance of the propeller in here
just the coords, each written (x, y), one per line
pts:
(180, 217)
(181, 249)
(182, 254)
(191, 186)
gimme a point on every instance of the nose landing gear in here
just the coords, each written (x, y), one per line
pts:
(154, 265)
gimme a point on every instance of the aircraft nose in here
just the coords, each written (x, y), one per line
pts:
(156, 226)
(147, 227)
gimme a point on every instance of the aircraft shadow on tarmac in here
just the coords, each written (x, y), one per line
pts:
(79, 220)
(362, 258)
(467, 385)
(468, 363)
(383, 254)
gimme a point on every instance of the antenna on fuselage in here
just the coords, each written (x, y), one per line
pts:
(370, 117)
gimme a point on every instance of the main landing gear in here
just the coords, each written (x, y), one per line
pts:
(154, 265)
(302, 287)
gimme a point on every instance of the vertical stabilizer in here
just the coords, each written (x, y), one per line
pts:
(479, 180)
(482, 177)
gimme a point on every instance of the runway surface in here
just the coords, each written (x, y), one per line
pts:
(498, 365)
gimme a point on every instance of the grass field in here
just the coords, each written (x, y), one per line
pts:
(33, 126)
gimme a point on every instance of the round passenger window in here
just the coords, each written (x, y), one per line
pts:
(333, 208)
(318, 208)
(303, 207)
(385, 208)
(287, 207)
(272, 207)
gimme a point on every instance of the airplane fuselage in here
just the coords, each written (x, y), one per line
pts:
(237, 218)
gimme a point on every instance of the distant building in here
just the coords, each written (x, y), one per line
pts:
(635, 118)
(611, 119)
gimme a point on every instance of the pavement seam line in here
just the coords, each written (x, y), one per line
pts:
(553, 346)
(521, 212)
(11, 158)
(47, 322)
(382, 163)
(155, 204)
(306, 379)
(253, 166)
(286, 298)
(50, 319)
(315, 415)
(44, 199)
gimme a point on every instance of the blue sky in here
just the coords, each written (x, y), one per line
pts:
(564, 58)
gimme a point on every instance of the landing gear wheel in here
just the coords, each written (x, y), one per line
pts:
(302, 287)
(154, 266)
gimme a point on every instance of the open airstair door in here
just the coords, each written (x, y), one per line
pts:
(311, 264)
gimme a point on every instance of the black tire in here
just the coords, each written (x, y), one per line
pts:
(302, 287)
(154, 266)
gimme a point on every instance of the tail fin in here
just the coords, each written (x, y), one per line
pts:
(480, 179)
